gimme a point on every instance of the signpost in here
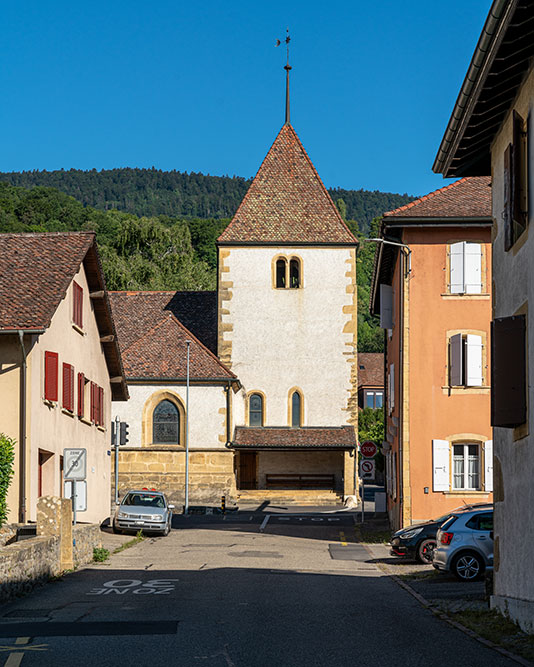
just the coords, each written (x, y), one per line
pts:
(368, 450)
(75, 466)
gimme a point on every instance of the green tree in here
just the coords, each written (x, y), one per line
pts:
(370, 335)
(342, 208)
(7, 458)
(371, 427)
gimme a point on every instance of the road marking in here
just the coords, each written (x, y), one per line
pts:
(15, 658)
(343, 538)
(136, 587)
(264, 523)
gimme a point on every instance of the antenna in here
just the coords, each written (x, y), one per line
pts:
(287, 68)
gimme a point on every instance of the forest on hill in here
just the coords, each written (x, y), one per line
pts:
(152, 192)
(158, 252)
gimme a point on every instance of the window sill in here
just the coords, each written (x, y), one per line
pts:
(466, 492)
(101, 428)
(49, 403)
(484, 296)
(78, 329)
(85, 421)
(459, 390)
(67, 412)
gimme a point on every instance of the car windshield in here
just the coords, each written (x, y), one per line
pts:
(144, 500)
(441, 519)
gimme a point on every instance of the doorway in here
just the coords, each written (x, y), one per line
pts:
(247, 470)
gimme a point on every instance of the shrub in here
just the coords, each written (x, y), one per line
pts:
(100, 554)
(7, 458)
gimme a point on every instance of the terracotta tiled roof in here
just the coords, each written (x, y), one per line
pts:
(370, 369)
(35, 272)
(308, 437)
(287, 201)
(136, 312)
(466, 198)
(153, 340)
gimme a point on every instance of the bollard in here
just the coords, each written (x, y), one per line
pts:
(223, 504)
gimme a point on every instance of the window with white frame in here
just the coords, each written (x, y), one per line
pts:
(465, 360)
(373, 398)
(465, 274)
(462, 466)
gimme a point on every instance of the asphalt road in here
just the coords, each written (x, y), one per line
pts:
(224, 594)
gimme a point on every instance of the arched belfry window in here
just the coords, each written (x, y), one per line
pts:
(255, 410)
(281, 265)
(166, 424)
(294, 273)
(296, 410)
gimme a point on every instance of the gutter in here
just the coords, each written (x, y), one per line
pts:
(22, 429)
(492, 35)
(228, 415)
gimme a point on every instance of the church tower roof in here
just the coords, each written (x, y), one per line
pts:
(287, 202)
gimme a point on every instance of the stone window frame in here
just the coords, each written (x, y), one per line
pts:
(287, 259)
(147, 425)
(478, 439)
(484, 293)
(290, 393)
(452, 390)
(263, 407)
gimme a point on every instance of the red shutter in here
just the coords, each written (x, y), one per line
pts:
(68, 387)
(81, 388)
(77, 310)
(101, 405)
(51, 371)
(92, 401)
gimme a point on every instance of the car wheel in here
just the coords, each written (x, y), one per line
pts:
(167, 530)
(425, 551)
(116, 530)
(468, 566)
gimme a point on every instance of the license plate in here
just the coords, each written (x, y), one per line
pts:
(139, 523)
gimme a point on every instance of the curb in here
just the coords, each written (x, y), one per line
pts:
(440, 614)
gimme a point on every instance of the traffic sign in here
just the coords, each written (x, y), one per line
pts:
(81, 493)
(368, 449)
(75, 464)
(367, 469)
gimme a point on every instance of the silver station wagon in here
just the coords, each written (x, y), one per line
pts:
(143, 509)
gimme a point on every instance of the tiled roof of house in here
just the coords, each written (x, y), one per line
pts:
(153, 340)
(466, 198)
(307, 437)
(287, 202)
(35, 272)
(370, 369)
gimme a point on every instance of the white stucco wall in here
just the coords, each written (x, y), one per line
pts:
(50, 428)
(513, 274)
(207, 410)
(286, 338)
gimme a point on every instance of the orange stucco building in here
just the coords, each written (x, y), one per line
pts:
(432, 289)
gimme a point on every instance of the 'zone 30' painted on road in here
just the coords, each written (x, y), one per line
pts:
(135, 586)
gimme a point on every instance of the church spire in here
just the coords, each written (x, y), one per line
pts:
(287, 68)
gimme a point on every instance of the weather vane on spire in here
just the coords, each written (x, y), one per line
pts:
(287, 67)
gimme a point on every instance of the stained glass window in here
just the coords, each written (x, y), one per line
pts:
(295, 409)
(166, 424)
(255, 410)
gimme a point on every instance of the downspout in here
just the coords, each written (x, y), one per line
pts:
(228, 425)
(401, 392)
(22, 432)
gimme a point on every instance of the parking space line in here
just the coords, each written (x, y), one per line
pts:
(264, 523)
(343, 538)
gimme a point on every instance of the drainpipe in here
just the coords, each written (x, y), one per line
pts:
(22, 436)
(228, 425)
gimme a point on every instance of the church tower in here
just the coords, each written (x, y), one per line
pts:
(287, 327)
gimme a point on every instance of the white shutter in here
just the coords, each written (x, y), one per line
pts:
(456, 260)
(456, 358)
(391, 387)
(394, 476)
(473, 268)
(386, 306)
(488, 465)
(473, 361)
(440, 464)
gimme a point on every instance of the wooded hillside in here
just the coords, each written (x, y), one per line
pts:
(151, 192)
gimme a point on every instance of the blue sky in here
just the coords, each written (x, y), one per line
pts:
(199, 86)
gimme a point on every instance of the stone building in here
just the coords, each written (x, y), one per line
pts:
(60, 366)
(275, 412)
(491, 133)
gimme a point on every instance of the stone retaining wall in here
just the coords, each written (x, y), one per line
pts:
(59, 546)
(8, 533)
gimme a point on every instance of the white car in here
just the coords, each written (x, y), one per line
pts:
(143, 509)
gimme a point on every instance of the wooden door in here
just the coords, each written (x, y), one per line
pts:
(247, 470)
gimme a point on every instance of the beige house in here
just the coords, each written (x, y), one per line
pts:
(60, 366)
(490, 133)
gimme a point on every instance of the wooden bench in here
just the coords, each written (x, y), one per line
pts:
(308, 481)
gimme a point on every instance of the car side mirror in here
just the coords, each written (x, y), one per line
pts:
(171, 507)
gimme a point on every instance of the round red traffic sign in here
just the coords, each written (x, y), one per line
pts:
(368, 449)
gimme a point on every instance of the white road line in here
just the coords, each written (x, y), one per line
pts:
(264, 523)
(14, 660)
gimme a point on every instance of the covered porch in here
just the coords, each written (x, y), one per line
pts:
(295, 463)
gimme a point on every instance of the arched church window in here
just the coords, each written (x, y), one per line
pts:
(296, 406)
(294, 273)
(255, 410)
(281, 272)
(166, 424)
